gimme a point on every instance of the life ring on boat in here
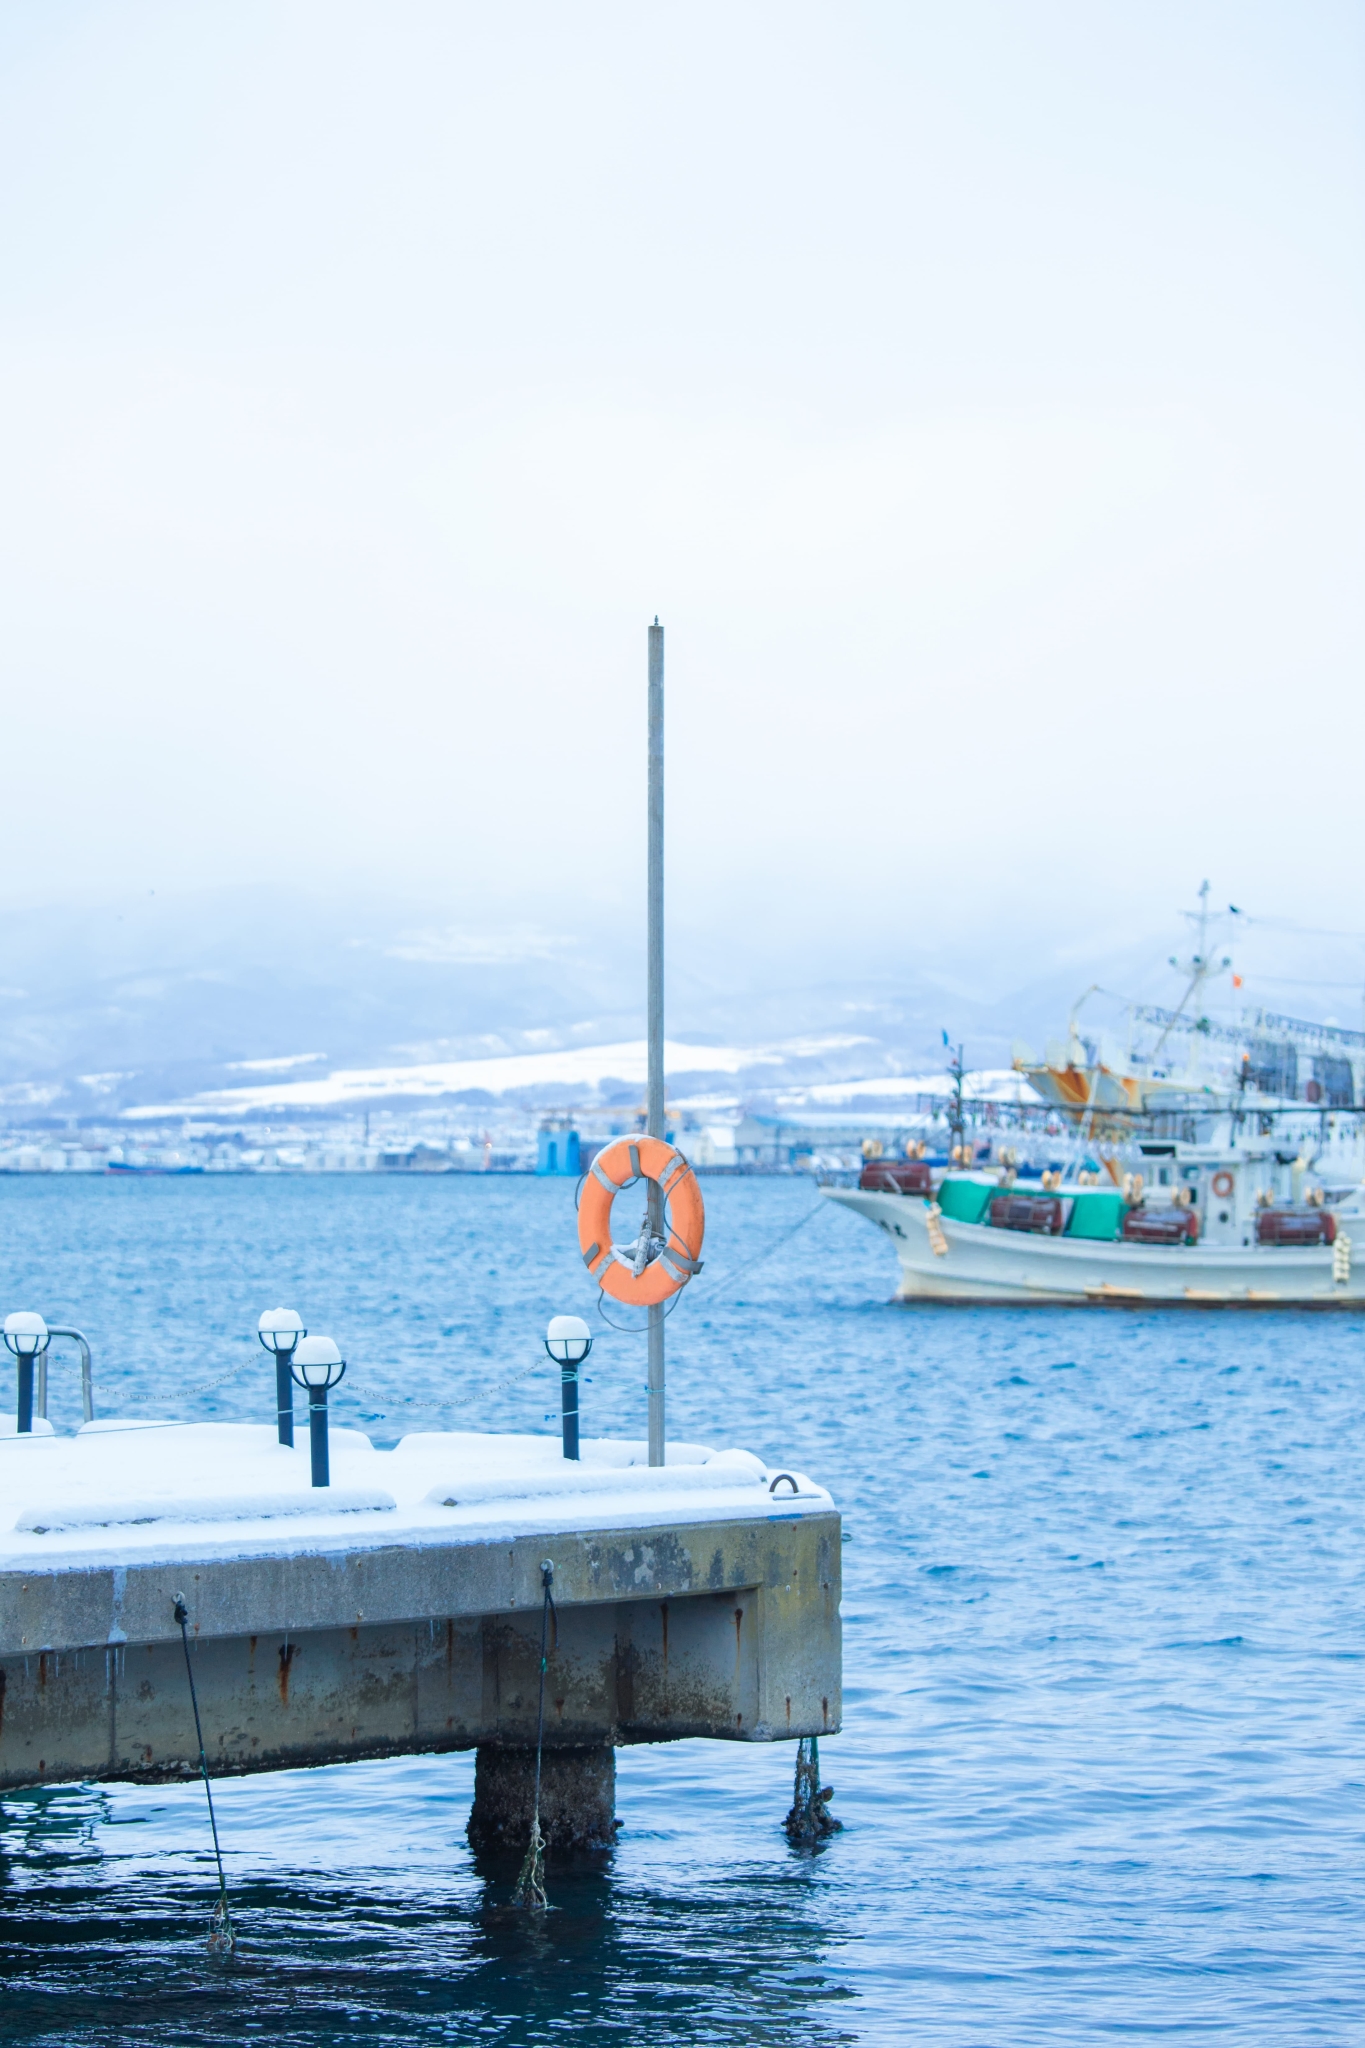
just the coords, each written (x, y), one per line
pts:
(650, 1270)
(1222, 1184)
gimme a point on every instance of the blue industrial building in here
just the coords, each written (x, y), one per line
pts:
(557, 1150)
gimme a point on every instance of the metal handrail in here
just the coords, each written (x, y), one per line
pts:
(87, 1388)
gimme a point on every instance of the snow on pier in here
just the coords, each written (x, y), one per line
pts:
(208, 1489)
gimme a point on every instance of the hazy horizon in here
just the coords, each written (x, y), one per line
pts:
(157, 999)
(977, 399)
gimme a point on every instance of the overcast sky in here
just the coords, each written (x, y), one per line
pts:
(974, 391)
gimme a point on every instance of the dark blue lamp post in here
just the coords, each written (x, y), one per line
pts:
(280, 1330)
(568, 1341)
(317, 1366)
(26, 1335)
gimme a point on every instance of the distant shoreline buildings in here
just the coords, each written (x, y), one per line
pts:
(717, 1136)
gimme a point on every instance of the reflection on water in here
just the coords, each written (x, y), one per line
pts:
(1100, 1774)
(104, 1936)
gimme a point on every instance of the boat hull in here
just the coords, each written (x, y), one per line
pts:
(985, 1265)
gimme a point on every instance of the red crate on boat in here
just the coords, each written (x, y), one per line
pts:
(897, 1177)
(1042, 1213)
(1296, 1226)
(1160, 1226)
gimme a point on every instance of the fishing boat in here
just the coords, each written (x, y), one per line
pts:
(1221, 1167)
(1214, 1228)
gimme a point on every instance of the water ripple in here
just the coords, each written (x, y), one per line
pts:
(1101, 1772)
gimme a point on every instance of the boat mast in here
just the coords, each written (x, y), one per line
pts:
(957, 1122)
(1199, 969)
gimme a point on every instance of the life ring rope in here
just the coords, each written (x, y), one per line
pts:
(1223, 1184)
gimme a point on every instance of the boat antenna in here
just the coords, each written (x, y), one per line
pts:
(1199, 968)
(1071, 1032)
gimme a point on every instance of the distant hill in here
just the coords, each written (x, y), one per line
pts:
(250, 996)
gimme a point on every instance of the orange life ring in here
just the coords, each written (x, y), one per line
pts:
(1222, 1184)
(614, 1266)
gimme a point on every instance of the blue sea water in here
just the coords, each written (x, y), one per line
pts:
(1100, 1771)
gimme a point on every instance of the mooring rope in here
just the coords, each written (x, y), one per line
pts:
(222, 1940)
(530, 1885)
(820, 1209)
(810, 1819)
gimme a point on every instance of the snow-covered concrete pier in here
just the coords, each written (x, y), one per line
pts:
(399, 1610)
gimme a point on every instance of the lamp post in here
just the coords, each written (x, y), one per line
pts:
(26, 1335)
(317, 1365)
(280, 1330)
(568, 1341)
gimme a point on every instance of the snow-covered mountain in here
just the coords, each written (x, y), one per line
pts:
(242, 1003)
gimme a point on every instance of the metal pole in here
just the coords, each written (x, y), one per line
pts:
(317, 1435)
(23, 1421)
(654, 1105)
(284, 1395)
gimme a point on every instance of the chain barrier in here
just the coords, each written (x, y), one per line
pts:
(351, 1386)
(155, 1400)
(172, 1394)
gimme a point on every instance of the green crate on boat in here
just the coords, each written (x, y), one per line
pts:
(966, 1201)
(1097, 1212)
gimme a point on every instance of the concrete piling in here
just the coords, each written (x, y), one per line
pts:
(577, 1799)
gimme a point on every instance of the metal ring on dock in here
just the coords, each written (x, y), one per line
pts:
(790, 1481)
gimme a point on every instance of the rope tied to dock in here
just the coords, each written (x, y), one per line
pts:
(222, 1940)
(530, 1885)
(810, 1819)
